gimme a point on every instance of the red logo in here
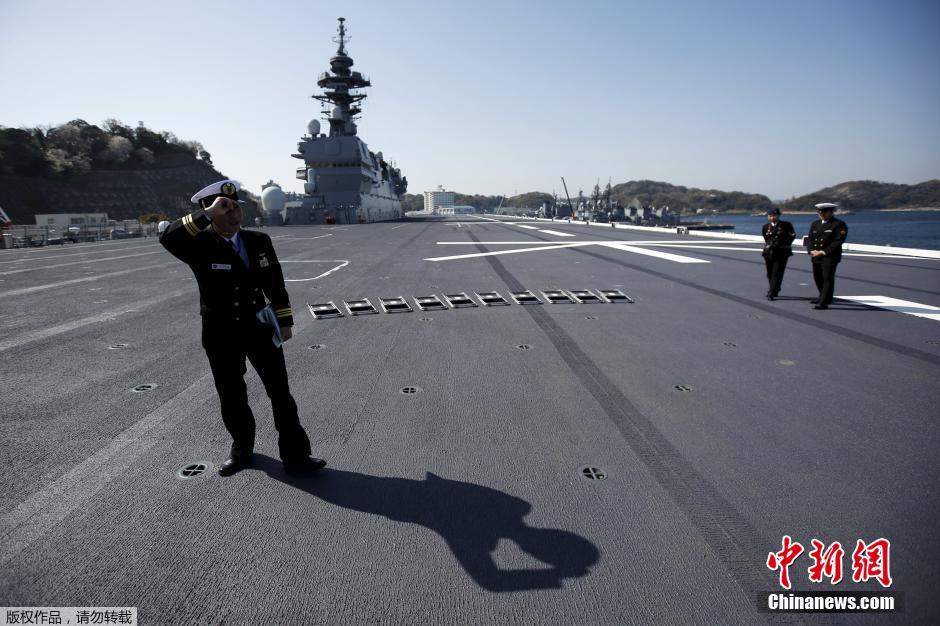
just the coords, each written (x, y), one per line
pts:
(869, 560)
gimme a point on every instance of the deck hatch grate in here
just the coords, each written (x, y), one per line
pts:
(360, 307)
(324, 310)
(583, 296)
(524, 297)
(556, 296)
(430, 303)
(615, 295)
(491, 298)
(459, 300)
(395, 305)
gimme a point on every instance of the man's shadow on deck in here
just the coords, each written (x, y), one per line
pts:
(471, 519)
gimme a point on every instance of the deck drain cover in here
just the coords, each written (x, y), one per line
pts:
(786, 362)
(684, 387)
(459, 300)
(316, 346)
(410, 390)
(192, 470)
(730, 344)
(524, 346)
(589, 317)
(117, 346)
(360, 307)
(144, 387)
(591, 472)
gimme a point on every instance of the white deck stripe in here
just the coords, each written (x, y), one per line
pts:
(901, 306)
(527, 226)
(107, 316)
(555, 232)
(74, 263)
(557, 246)
(56, 256)
(26, 290)
(655, 253)
(39, 513)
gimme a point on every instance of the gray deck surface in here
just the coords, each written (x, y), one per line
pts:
(463, 503)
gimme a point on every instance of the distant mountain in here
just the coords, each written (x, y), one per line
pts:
(115, 169)
(870, 194)
(687, 199)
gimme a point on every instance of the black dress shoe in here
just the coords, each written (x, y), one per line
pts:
(307, 464)
(770, 297)
(821, 307)
(814, 301)
(233, 465)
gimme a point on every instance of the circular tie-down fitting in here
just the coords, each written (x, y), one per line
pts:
(592, 472)
(523, 346)
(730, 344)
(786, 362)
(117, 346)
(316, 346)
(408, 391)
(145, 387)
(932, 342)
(684, 387)
(589, 317)
(191, 471)
(425, 319)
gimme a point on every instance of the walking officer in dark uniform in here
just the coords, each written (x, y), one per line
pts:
(238, 275)
(826, 236)
(778, 236)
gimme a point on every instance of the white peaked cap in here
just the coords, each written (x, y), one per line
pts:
(826, 205)
(215, 189)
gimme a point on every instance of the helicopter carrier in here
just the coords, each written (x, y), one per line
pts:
(509, 441)
(344, 181)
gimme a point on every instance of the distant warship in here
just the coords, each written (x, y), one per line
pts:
(344, 182)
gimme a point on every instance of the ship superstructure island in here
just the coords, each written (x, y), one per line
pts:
(344, 182)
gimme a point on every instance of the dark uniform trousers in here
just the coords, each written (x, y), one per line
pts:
(777, 251)
(227, 361)
(828, 237)
(776, 266)
(233, 287)
(824, 273)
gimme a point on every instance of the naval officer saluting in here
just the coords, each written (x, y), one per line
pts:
(238, 273)
(824, 244)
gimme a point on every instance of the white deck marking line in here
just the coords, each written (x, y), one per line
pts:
(527, 226)
(55, 256)
(399, 226)
(41, 511)
(342, 264)
(107, 316)
(554, 232)
(557, 246)
(306, 238)
(654, 253)
(894, 304)
(83, 262)
(26, 290)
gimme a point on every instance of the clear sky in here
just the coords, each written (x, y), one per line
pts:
(495, 97)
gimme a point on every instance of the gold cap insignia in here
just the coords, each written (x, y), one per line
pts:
(228, 189)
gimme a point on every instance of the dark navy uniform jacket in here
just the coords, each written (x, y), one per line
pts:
(827, 237)
(228, 291)
(778, 238)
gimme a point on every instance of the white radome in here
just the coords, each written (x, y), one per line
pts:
(272, 198)
(313, 127)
